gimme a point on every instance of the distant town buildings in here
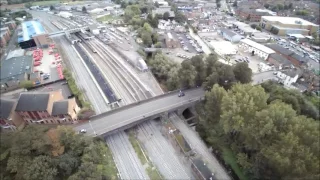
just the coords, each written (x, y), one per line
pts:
(283, 26)
(256, 48)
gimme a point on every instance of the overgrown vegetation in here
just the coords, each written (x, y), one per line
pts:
(198, 71)
(75, 90)
(266, 135)
(39, 153)
(26, 84)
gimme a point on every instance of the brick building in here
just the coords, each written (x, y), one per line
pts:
(5, 36)
(11, 25)
(250, 14)
(9, 119)
(47, 108)
(279, 61)
(294, 58)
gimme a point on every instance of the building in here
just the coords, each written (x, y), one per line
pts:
(283, 26)
(294, 58)
(11, 25)
(47, 108)
(14, 71)
(251, 15)
(287, 78)
(201, 170)
(5, 36)
(260, 37)
(230, 35)
(256, 48)
(279, 61)
(9, 119)
(170, 41)
(223, 47)
(244, 28)
(163, 9)
(32, 35)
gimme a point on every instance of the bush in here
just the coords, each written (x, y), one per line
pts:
(158, 45)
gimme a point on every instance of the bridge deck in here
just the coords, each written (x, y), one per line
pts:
(130, 114)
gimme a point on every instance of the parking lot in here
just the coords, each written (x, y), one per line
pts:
(187, 43)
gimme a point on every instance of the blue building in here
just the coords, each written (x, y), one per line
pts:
(230, 35)
(31, 35)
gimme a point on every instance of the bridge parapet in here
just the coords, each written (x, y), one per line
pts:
(134, 104)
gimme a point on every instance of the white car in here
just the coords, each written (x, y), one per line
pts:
(185, 48)
(83, 131)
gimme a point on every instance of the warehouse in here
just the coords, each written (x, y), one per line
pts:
(32, 35)
(255, 48)
(283, 26)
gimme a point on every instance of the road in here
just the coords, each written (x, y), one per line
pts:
(129, 115)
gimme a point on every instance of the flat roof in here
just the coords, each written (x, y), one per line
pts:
(288, 20)
(15, 66)
(30, 29)
(257, 46)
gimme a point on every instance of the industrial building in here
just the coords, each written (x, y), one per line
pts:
(283, 26)
(256, 48)
(32, 35)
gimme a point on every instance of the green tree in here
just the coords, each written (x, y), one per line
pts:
(235, 4)
(253, 26)
(166, 16)
(146, 38)
(124, 4)
(147, 27)
(84, 9)
(41, 166)
(28, 4)
(52, 8)
(158, 45)
(156, 4)
(26, 84)
(179, 17)
(173, 79)
(198, 63)
(267, 5)
(242, 72)
(187, 74)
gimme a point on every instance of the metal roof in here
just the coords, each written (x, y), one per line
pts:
(257, 46)
(30, 29)
(16, 66)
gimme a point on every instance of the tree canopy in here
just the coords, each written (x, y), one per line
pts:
(37, 152)
(270, 140)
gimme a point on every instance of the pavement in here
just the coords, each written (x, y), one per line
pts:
(139, 111)
(11, 45)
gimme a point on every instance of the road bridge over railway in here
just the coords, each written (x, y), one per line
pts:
(68, 31)
(133, 114)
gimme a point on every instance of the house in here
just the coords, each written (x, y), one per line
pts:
(47, 108)
(163, 9)
(230, 35)
(251, 15)
(170, 41)
(256, 48)
(295, 59)
(288, 77)
(9, 119)
(201, 170)
(279, 61)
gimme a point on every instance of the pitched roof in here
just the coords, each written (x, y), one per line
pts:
(33, 102)
(280, 49)
(60, 107)
(228, 32)
(205, 171)
(281, 59)
(6, 108)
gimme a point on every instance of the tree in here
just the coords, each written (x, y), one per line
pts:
(26, 84)
(146, 38)
(41, 166)
(218, 5)
(235, 4)
(158, 45)
(124, 4)
(242, 72)
(211, 62)
(253, 26)
(187, 74)
(52, 8)
(198, 63)
(156, 4)
(173, 79)
(267, 5)
(179, 17)
(280, 7)
(84, 9)
(28, 5)
(166, 16)
(147, 27)
(258, 28)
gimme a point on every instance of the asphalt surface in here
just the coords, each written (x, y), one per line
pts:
(200, 147)
(11, 45)
(109, 122)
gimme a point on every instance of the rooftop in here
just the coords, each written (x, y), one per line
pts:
(205, 171)
(257, 46)
(6, 108)
(16, 66)
(30, 29)
(15, 53)
(282, 60)
(39, 102)
(288, 20)
(228, 32)
(60, 107)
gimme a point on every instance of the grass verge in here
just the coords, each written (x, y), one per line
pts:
(231, 160)
(153, 173)
(137, 148)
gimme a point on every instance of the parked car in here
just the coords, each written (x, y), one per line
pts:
(181, 94)
(83, 131)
